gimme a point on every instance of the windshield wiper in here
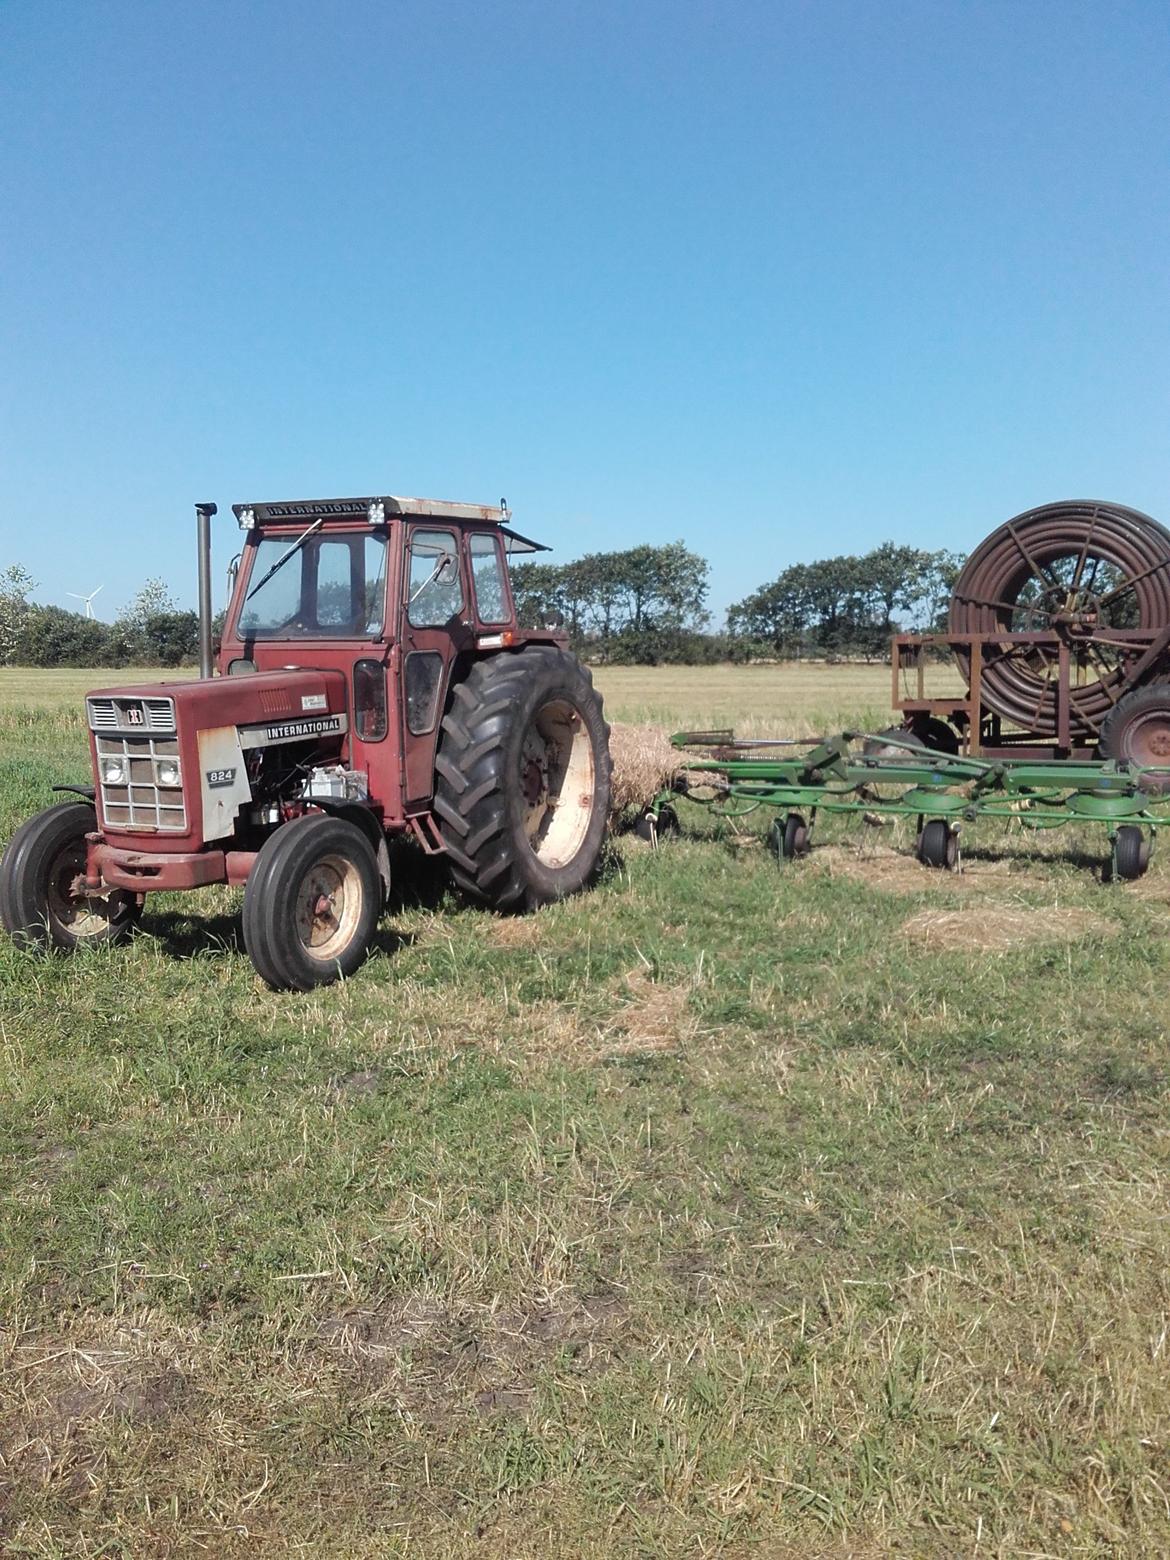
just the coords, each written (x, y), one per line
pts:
(285, 556)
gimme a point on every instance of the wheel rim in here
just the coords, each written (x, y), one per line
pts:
(78, 914)
(1147, 739)
(328, 908)
(556, 783)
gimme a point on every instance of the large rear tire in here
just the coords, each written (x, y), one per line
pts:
(523, 779)
(42, 901)
(311, 903)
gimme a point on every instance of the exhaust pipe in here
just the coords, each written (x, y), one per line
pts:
(203, 514)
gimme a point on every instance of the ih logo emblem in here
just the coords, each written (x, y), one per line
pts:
(134, 715)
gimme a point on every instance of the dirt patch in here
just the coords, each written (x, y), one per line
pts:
(436, 1361)
(1002, 928)
(644, 763)
(368, 1080)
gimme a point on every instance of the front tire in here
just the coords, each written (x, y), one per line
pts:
(523, 779)
(42, 900)
(311, 903)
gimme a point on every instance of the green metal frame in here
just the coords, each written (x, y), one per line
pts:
(833, 776)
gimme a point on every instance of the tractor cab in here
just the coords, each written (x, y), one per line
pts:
(398, 594)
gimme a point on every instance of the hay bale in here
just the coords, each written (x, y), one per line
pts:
(644, 763)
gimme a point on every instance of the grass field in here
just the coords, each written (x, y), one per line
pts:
(721, 1211)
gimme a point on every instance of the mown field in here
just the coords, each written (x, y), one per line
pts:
(725, 1210)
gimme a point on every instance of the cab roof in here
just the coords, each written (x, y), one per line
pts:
(377, 510)
(360, 509)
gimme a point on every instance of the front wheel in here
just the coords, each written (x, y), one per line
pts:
(311, 903)
(43, 900)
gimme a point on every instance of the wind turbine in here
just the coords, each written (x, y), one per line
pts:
(87, 599)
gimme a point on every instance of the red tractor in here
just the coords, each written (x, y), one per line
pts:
(373, 682)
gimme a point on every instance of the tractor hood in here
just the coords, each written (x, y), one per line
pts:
(207, 725)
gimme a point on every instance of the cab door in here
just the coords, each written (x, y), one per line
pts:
(436, 624)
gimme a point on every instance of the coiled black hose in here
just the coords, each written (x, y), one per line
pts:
(1075, 570)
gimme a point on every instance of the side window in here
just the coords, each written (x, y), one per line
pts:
(434, 592)
(487, 570)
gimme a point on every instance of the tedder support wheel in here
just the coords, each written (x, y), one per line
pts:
(1137, 731)
(42, 895)
(938, 845)
(1131, 853)
(795, 840)
(522, 779)
(311, 903)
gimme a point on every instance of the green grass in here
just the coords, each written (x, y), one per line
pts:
(721, 1210)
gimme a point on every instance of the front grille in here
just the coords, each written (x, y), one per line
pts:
(140, 802)
(131, 715)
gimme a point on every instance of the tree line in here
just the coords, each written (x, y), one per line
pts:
(151, 631)
(641, 605)
(649, 604)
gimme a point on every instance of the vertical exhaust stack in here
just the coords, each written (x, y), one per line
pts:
(203, 514)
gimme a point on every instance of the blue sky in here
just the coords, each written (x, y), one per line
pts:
(780, 279)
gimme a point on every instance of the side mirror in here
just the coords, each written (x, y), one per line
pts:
(233, 572)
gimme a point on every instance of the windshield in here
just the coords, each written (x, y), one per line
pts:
(333, 587)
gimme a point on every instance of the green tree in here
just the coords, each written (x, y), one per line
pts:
(16, 584)
(51, 636)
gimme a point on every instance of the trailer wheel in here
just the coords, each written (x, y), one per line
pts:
(311, 903)
(1137, 731)
(41, 898)
(523, 779)
(938, 845)
(1131, 853)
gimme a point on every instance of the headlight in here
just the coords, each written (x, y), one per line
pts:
(114, 771)
(168, 772)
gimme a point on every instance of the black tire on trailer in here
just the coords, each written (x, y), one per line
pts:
(938, 845)
(523, 779)
(1137, 731)
(1131, 853)
(937, 736)
(311, 903)
(40, 902)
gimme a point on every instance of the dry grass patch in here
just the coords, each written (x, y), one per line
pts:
(900, 872)
(1001, 928)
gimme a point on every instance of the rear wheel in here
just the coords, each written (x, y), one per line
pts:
(523, 779)
(311, 903)
(42, 885)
